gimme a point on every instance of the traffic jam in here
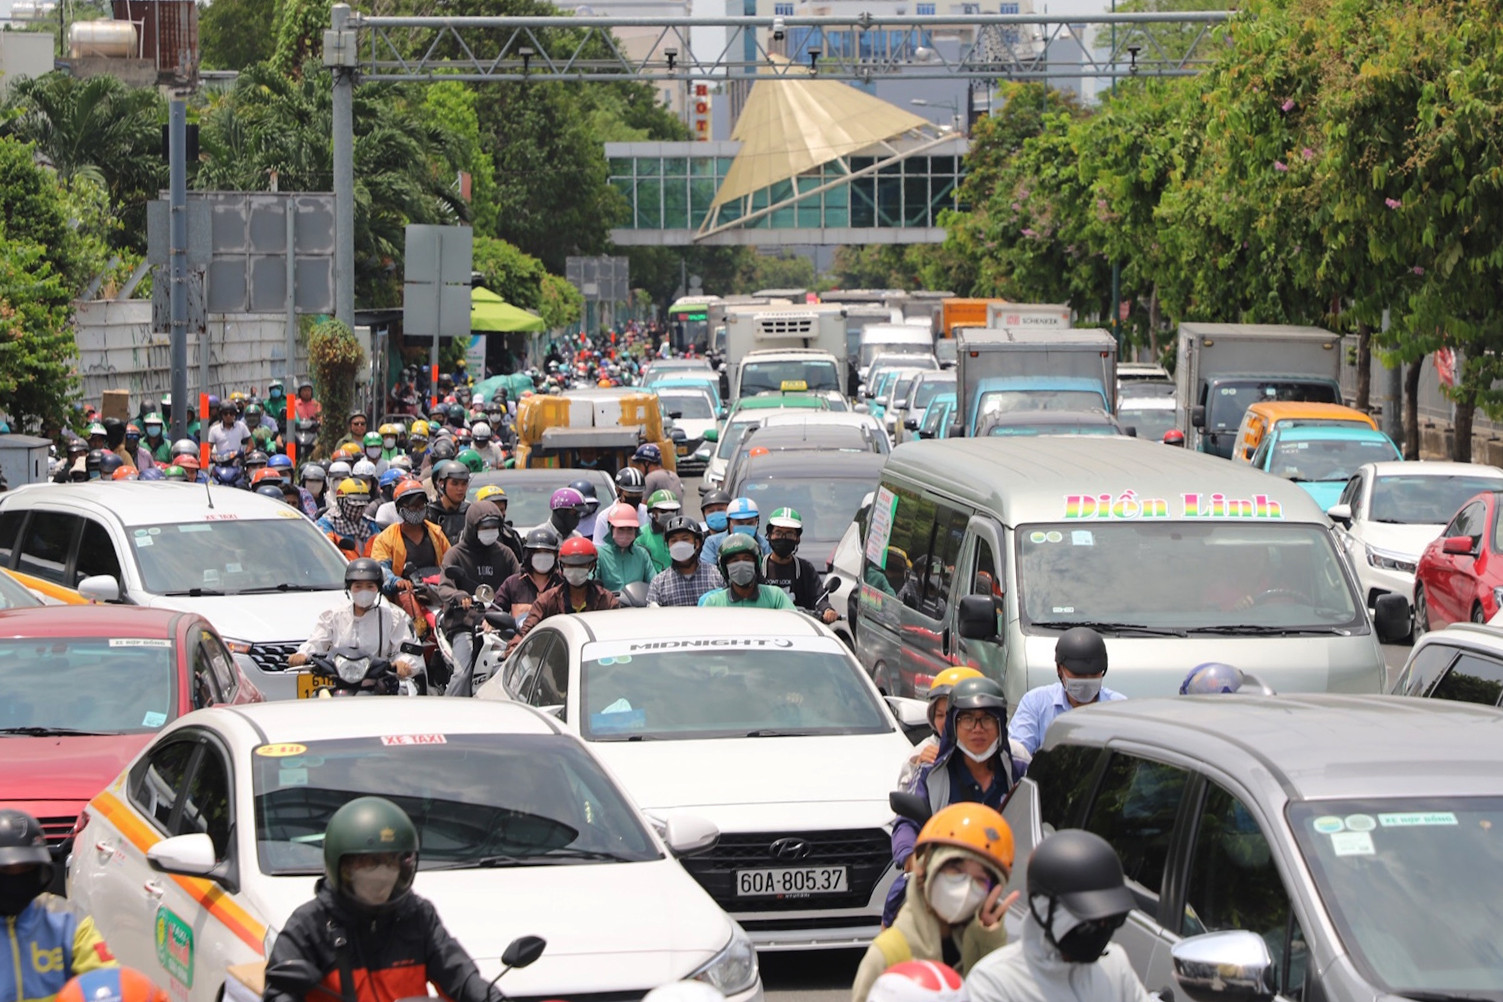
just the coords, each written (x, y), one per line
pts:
(1014, 672)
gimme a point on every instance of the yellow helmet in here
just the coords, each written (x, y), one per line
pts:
(350, 450)
(971, 826)
(419, 429)
(389, 429)
(946, 680)
(490, 492)
(351, 485)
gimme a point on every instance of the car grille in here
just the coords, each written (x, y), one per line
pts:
(58, 829)
(273, 657)
(866, 852)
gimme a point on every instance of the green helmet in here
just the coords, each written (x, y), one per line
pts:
(174, 473)
(372, 438)
(736, 544)
(367, 826)
(471, 459)
(788, 518)
(666, 498)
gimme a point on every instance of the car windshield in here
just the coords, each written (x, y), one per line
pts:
(1376, 862)
(730, 439)
(690, 406)
(935, 415)
(232, 556)
(926, 391)
(1424, 500)
(1333, 460)
(14, 595)
(1013, 401)
(724, 687)
(1051, 428)
(477, 799)
(900, 389)
(108, 685)
(1232, 399)
(817, 376)
(526, 503)
(1227, 574)
(827, 505)
(1151, 422)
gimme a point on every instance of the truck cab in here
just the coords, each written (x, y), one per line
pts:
(1002, 371)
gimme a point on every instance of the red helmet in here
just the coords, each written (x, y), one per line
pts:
(917, 981)
(111, 984)
(1174, 437)
(577, 552)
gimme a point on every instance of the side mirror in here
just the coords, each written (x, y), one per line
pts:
(1391, 618)
(1131, 431)
(100, 588)
(1341, 513)
(185, 855)
(523, 951)
(861, 409)
(911, 424)
(1232, 966)
(712, 435)
(676, 415)
(910, 806)
(978, 617)
(1460, 546)
(912, 715)
(1198, 416)
(957, 430)
(686, 835)
(485, 594)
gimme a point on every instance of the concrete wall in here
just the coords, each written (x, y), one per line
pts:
(117, 349)
(24, 54)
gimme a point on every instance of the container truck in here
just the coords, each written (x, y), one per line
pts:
(767, 346)
(1009, 369)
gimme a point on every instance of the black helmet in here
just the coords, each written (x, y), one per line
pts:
(683, 523)
(256, 458)
(629, 478)
(541, 538)
(714, 497)
(1081, 651)
(978, 694)
(361, 569)
(23, 843)
(450, 469)
(586, 489)
(440, 450)
(1080, 871)
(369, 826)
(94, 460)
(108, 464)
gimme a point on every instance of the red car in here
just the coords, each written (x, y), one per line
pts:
(1460, 575)
(84, 687)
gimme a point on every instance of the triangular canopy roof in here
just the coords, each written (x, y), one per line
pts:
(793, 124)
(489, 312)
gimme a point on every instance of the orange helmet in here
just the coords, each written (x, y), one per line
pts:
(407, 487)
(111, 984)
(124, 473)
(971, 826)
(266, 473)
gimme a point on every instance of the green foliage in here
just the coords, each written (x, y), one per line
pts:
(662, 272)
(234, 34)
(299, 30)
(560, 304)
(451, 106)
(780, 271)
(334, 357)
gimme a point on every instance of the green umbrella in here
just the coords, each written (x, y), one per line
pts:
(489, 312)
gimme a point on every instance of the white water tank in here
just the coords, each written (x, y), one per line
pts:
(111, 39)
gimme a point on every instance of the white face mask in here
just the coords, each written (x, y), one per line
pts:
(985, 753)
(681, 551)
(1083, 690)
(488, 537)
(954, 896)
(542, 562)
(373, 885)
(365, 598)
(374, 452)
(742, 573)
(389, 442)
(576, 575)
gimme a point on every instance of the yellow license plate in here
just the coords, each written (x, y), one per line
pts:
(308, 684)
(683, 450)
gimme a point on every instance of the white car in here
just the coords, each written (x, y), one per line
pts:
(760, 721)
(198, 853)
(1149, 417)
(1389, 512)
(255, 568)
(693, 410)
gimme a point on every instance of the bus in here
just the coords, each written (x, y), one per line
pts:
(689, 322)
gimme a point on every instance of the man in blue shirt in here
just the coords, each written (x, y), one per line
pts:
(1080, 660)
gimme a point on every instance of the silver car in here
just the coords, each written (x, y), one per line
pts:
(1345, 842)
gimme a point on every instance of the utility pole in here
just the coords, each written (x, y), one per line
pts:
(340, 55)
(177, 157)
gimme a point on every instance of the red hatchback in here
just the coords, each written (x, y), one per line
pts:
(84, 687)
(1460, 575)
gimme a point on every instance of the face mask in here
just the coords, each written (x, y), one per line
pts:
(364, 598)
(17, 890)
(374, 452)
(389, 442)
(716, 520)
(373, 885)
(681, 551)
(412, 516)
(742, 573)
(624, 537)
(576, 575)
(985, 753)
(351, 507)
(315, 487)
(954, 896)
(542, 562)
(566, 520)
(488, 537)
(745, 530)
(1083, 690)
(154, 430)
(783, 547)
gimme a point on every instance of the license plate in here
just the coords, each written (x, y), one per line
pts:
(683, 450)
(308, 684)
(791, 882)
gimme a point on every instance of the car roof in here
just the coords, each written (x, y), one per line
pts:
(1313, 745)
(671, 623)
(89, 621)
(777, 401)
(842, 419)
(288, 721)
(1147, 404)
(151, 503)
(1329, 433)
(812, 436)
(1284, 410)
(847, 465)
(1433, 468)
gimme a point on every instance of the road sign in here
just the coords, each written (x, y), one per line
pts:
(436, 282)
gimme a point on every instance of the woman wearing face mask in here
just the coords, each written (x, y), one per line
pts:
(578, 593)
(623, 559)
(538, 573)
(479, 558)
(954, 905)
(974, 765)
(366, 627)
(1080, 660)
(365, 914)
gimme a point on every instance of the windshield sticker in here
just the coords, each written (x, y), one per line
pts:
(193, 527)
(143, 541)
(1360, 823)
(1328, 824)
(1352, 844)
(1416, 819)
(1081, 537)
(1128, 506)
(619, 652)
(413, 739)
(139, 642)
(280, 751)
(879, 532)
(292, 777)
(153, 718)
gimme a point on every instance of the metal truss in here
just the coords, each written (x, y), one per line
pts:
(862, 48)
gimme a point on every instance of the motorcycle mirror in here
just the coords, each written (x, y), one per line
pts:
(523, 951)
(485, 594)
(412, 647)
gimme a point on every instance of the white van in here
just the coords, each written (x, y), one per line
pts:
(892, 339)
(984, 551)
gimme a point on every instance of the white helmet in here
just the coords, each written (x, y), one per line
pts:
(364, 468)
(918, 981)
(338, 469)
(684, 991)
(480, 431)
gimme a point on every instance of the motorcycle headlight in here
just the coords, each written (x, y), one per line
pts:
(1384, 560)
(734, 968)
(352, 670)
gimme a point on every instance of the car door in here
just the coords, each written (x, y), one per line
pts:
(980, 571)
(46, 550)
(520, 673)
(1454, 577)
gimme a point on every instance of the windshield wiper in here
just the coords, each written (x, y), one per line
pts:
(502, 860)
(193, 592)
(36, 731)
(1254, 629)
(773, 732)
(626, 737)
(1109, 627)
(282, 587)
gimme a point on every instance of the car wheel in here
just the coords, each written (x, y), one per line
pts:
(1421, 613)
(881, 680)
(1478, 616)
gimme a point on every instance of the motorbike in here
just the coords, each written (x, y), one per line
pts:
(473, 653)
(346, 675)
(633, 595)
(225, 470)
(305, 434)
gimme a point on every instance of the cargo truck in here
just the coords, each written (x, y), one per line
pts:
(1053, 316)
(1225, 368)
(1032, 369)
(594, 428)
(956, 313)
(768, 346)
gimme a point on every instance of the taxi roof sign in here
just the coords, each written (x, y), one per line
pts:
(794, 386)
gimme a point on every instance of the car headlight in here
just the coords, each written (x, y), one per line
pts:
(733, 969)
(237, 646)
(1387, 561)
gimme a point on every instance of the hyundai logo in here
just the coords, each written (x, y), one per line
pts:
(788, 849)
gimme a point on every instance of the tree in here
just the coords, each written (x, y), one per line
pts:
(234, 34)
(334, 357)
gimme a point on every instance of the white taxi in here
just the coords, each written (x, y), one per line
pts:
(760, 721)
(193, 858)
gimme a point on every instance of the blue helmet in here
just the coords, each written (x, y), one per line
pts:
(151, 473)
(391, 477)
(280, 461)
(1211, 677)
(741, 509)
